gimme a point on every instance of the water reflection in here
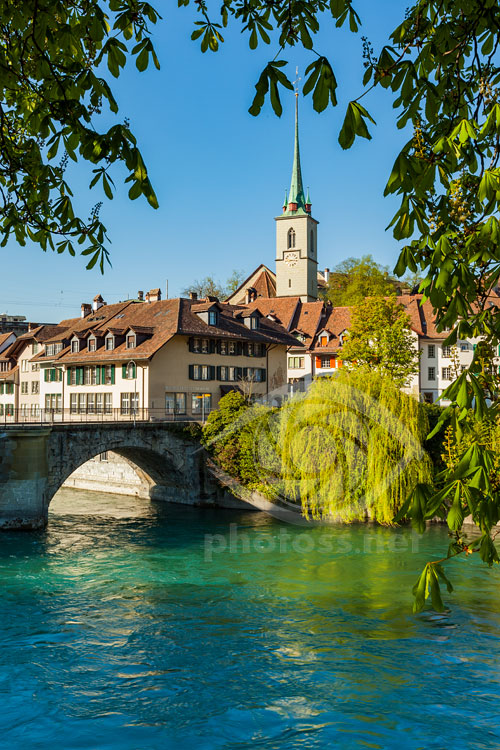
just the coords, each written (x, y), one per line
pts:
(121, 631)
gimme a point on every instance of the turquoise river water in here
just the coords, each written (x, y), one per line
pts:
(125, 625)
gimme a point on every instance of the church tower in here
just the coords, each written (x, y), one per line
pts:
(296, 236)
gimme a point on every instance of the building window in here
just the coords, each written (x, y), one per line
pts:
(87, 375)
(213, 318)
(92, 345)
(131, 341)
(428, 398)
(35, 367)
(255, 374)
(325, 363)
(108, 375)
(223, 347)
(82, 403)
(35, 387)
(431, 373)
(205, 346)
(232, 347)
(24, 365)
(295, 363)
(175, 403)
(75, 346)
(90, 403)
(73, 403)
(197, 345)
(129, 403)
(291, 238)
(446, 373)
(35, 347)
(98, 403)
(53, 402)
(446, 351)
(289, 283)
(129, 371)
(464, 347)
(223, 373)
(323, 340)
(110, 343)
(431, 351)
(35, 410)
(108, 403)
(50, 350)
(24, 386)
(201, 372)
(201, 403)
(58, 348)
(103, 456)
(254, 322)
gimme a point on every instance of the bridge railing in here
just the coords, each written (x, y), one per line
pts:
(70, 416)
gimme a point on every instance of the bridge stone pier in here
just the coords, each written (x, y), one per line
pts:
(35, 461)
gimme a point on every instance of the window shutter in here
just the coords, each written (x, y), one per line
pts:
(218, 347)
(239, 347)
(191, 345)
(98, 375)
(1, 388)
(112, 374)
(134, 370)
(219, 373)
(332, 362)
(318, 363)
(239, 373)
(191, 372)
(68, 376)
(124, 372)
(263, 374)
(211, 372)
(211, 346)
(46, 375)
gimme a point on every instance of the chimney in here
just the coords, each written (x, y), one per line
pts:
(193, 295)
(97, 303)
(154, 295)
(250, 295)
(86, 309)
(140, 296)
(326, 274)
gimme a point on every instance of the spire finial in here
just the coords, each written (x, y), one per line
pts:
(296, 82)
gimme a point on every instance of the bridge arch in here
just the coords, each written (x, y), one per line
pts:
(35, 462)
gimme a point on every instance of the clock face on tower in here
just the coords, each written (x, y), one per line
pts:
(291, 258)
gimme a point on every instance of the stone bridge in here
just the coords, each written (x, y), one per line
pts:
(35, 461)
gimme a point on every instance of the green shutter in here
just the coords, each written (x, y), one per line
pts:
(1, 388)
(124, 372)
(46, 375)
(112, 374)
(97, 375)
(103, 374)
(68, 376)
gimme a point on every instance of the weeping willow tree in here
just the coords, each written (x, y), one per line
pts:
(351, 447)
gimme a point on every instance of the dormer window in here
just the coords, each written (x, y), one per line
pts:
(131, 341)
(213, 318)
(75, 346)
(291, 238)
(252, 321)
(92, 345)
(110, 343)
(323, 340)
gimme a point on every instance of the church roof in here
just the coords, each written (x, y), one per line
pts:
(296, 194)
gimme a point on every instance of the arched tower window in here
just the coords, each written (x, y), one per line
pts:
(291, 238)
(311, 241)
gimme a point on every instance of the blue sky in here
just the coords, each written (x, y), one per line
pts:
(220, 174)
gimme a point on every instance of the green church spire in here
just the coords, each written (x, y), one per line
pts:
(296, 194)
(296, 199)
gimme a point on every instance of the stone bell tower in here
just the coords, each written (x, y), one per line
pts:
(296, 236)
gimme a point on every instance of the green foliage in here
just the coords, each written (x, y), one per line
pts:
(380, 338)
(53, 86)
(209, 287)
(354, 279)
(235, 435)
(351, 447)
